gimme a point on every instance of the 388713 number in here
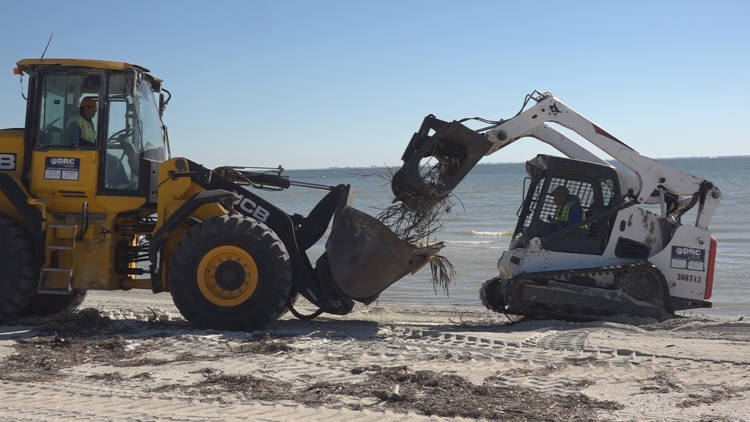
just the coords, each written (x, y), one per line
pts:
(689, 277)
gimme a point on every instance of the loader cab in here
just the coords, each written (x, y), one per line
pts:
(80, 116)
(596, 187)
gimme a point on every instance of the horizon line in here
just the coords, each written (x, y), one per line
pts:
(506, 162)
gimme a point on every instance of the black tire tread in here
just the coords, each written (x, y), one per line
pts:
(19, 274)
(50, 304)
(270, 255)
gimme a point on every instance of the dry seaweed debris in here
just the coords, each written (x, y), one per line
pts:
(418, 219)
(218, 383)
(263, 344)
(42, 358)
(448, 395)
(401, 389)
(664, 383)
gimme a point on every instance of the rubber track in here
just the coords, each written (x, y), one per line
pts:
(509, 306)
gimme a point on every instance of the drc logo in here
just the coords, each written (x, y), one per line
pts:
(686, 258)
(61, 168)
(7, 161)
(63, 161)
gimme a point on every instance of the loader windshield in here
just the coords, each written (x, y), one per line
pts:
(150, 123)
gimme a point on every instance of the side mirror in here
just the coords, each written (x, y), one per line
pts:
(162, 102)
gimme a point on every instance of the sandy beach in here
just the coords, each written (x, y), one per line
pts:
(130, 357)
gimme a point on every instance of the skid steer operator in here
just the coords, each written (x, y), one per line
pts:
(80, 131)
(568, 208)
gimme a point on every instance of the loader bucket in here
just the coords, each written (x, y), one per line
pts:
(366, 257)
(456, 149)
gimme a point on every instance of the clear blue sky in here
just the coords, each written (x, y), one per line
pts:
(314, 84)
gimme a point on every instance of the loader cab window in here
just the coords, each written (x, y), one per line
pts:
(64, 100)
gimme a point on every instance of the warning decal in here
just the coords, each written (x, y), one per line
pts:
(688, 258)
(61, 168)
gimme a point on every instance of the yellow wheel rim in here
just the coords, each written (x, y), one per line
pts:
(227, 276)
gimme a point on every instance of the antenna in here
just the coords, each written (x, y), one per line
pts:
(41, 59)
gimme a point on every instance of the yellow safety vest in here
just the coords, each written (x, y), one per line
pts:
(86, 128)
(562, 213)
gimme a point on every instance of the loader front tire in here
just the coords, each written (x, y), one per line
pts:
(19, 274)
(230, 273)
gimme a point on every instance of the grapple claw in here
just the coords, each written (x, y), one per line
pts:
(456, 149)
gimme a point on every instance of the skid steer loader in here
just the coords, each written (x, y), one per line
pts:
(91, 199)
(619, 257)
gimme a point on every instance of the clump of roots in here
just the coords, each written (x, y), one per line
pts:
(418, 221)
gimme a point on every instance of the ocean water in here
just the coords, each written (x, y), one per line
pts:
(485, 215)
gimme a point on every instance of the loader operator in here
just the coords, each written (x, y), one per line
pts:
(568, 208)
(81, 132)
(80, 129)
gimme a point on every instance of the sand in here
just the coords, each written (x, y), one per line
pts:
(135, 359)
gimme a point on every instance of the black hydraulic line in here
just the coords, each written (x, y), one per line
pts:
(84, 221)
(304, 317)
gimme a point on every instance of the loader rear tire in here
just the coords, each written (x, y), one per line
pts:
(230, 273)
(19, 274)
(45, 304)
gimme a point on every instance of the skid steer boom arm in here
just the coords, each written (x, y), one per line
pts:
(649, 180)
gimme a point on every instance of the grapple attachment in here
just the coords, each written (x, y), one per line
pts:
(456, 149)
(366, 257)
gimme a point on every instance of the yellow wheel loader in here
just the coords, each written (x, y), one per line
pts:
(91, 199)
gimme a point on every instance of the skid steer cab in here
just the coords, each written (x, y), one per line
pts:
(91, 199)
